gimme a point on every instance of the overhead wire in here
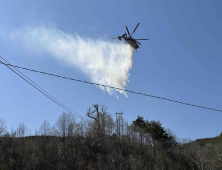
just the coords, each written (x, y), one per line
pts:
(44, 92)
(114, 88)
(47, 94)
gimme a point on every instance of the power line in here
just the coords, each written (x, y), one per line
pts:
(40, 87)
(114, 88)
(45, 93)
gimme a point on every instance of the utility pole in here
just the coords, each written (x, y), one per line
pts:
(118, 123)
(122, 121)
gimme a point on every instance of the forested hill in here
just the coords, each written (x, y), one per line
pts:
(106, 144)
(213, 141)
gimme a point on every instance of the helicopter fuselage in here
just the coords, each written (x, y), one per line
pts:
(129, 40)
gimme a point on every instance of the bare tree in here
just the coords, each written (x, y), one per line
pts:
(45, 128)
(2, 127)
(22, 130)
(218, 156)
(90, 114)
(106, 120)
(71, 129)
(103, 122)
(110, 125)
(80, 128)
(65, 125)
(13, 132)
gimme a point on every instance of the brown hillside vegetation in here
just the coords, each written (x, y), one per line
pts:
(104, 144)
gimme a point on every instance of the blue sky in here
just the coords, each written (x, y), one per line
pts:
(181, 61)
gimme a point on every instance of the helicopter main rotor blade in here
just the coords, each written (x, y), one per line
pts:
(135, 29)
(141, 39)
(127, 30)
(114, 38)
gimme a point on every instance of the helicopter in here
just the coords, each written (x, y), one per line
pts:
(129, 39)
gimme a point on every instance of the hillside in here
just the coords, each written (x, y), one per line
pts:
(105, 144)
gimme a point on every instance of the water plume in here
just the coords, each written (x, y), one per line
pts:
(104, 62)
